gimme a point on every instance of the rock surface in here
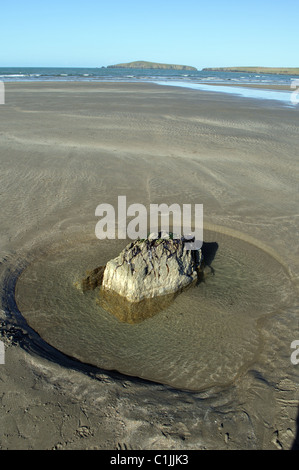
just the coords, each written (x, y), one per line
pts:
(94, 279)
(152, 267)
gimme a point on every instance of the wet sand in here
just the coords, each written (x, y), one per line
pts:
(255, 85)
(67, 147)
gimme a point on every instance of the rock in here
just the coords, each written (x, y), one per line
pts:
(150, 268)
(94, 279)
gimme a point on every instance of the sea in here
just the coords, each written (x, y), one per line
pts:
(197, 79)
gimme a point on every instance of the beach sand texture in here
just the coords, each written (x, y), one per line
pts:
(67, 147)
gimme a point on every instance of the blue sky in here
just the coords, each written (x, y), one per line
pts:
(92, 33)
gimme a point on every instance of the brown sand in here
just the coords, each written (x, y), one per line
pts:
(65, 148)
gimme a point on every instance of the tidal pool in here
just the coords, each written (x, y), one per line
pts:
(207, 336)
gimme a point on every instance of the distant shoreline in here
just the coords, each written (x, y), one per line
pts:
(271, 70)
(141, 64)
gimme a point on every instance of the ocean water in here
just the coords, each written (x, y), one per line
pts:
(132, 75)
(200, 80)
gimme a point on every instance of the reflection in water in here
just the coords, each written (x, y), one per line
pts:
(133, 312)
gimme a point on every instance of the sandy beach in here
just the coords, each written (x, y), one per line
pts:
(67, 147)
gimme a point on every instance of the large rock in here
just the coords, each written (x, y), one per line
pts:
(152, 267)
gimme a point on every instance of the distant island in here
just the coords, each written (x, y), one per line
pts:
(141, 64)
(275, 70)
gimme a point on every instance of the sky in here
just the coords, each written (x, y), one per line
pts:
(95, 33)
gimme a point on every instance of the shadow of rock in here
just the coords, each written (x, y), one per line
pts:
(209, 250)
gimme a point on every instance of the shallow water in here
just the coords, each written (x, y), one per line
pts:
(286, 97)
(207, 336)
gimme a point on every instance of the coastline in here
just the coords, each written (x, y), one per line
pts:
(68, 146)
